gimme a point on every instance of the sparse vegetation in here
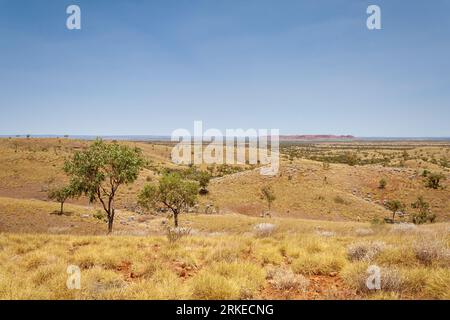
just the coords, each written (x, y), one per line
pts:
(268, 195)
(174, 234)
(423, 213)
(432, 251)
(99, 171)
(234, 254)
(264, 229)
(394, 206)
(284, 279)
(365, 251)
(174, 192)
(434, 180)
(340, 200)
(227, 266)
(62, 194)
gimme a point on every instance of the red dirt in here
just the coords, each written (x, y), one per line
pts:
(320, 288)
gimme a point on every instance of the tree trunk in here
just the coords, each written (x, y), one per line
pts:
(175, 218)
(393, 216)
(110, 223)
(111, 212)
(62, 208)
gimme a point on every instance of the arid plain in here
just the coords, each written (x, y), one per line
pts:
(332, 216)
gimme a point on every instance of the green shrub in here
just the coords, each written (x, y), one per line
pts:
(434, 180)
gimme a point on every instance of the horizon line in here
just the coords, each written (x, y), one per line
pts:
(333, 136)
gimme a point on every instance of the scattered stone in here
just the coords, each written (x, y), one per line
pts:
(364, 232)
(404, 228)
(324, 233)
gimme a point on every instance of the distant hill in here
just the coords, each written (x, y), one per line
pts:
(316, 137)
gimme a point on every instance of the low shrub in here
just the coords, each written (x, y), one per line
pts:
(208, 286)
(228, 281)
(438, 285)
(362, 232)
(326, 234)
(268, 254)
(432, 251)
(264, 229)
(365, 251)
(175, 233)
(323, 263)
(404, 228)
(284, 279)
(357, 275)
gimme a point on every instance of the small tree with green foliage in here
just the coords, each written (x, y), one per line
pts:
(434, 180)
(382, 183)
(394, 206)
(202, 177)
(62, 194)
(268, 195)
(101, 169)
(405, 155)
(424, 213)
(173, 192)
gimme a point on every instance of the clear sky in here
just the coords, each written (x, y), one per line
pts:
(149, 67)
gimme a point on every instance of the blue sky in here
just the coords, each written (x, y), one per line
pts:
(149, 67)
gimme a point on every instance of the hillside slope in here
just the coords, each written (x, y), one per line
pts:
(304, 188)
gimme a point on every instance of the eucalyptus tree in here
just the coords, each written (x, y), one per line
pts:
(101, 169)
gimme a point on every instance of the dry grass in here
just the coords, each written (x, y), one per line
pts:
(264, 229)
(365, 251)
(225, 256)
(431, 251)
(235, 265)
(304, 188)
(283, 278)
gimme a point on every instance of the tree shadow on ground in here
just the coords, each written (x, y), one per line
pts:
(65, 213)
